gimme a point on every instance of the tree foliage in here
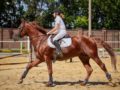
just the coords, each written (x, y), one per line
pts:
(105, 13)
(10, 13)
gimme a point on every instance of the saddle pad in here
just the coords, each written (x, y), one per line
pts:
(65, 42)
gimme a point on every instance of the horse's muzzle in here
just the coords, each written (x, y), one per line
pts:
(16, 37)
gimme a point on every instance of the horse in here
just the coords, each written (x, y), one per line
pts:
(83, 47)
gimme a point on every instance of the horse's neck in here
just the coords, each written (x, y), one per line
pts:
(37, 41)
(36, 36)
(35, 32)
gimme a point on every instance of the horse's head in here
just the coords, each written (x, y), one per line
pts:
(30, 29)
(21, 31)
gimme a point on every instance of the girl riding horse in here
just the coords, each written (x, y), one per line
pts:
(82, 46)
(59, 30)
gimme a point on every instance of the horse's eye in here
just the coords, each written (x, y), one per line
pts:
(19, 27)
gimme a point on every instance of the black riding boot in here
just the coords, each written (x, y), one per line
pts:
(58, 48)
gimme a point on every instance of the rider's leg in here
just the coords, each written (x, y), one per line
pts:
(58, 48)
(60, 35)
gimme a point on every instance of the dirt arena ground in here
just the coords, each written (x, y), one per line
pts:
(66, 75)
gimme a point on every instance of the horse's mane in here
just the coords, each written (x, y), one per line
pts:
(38, 27)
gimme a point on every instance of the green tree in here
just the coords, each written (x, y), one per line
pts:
(10, 11)
(81, 21)
(106, 14)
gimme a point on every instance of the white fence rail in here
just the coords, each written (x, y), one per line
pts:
(113, 42)
(21, 43)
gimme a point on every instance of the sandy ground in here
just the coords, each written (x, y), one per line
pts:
(66, 75)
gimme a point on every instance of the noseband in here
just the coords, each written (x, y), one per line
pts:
(21, 28)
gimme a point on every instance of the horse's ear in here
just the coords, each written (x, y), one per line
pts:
(34, 22)
(22, 20)
(27, 21)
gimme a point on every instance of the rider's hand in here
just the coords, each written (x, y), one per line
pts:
(48, 33)
(54, 33)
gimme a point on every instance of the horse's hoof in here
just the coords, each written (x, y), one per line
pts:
(50, 84)
(20, 81)
(82, 83)
(60, 54)
(109, 77)
(112, 84)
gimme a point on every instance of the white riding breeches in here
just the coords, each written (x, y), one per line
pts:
(61, 34)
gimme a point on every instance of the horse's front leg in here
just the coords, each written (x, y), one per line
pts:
(29, 66)
(50, 71)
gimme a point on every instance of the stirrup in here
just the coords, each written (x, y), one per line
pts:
(57, 54)
(60, 54)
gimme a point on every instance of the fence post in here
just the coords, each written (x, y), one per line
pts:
(113, 39)
(21, 46)
(103, 34)
(1, 37)
(29, 50)
(28, 45)
(118, 39)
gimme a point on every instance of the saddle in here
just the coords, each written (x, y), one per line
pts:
(60, 40)
(64, 42)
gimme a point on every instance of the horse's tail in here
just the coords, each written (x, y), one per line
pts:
(110, 52)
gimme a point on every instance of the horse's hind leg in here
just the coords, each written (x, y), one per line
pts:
(85, 61)
(29, 66)
(103, 67)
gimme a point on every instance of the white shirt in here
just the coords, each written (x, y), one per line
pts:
(58, 20)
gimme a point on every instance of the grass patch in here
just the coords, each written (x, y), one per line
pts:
(117, 50)
(13, 51)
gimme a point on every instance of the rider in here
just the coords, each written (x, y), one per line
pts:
(59, 30)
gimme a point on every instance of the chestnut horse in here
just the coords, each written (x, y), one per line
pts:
(82, 46)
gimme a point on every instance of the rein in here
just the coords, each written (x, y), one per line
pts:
(36, 36)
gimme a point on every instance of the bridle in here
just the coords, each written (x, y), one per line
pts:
(36, 36)
(21, 29)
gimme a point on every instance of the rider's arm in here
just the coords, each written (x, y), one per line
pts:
(54, 30)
